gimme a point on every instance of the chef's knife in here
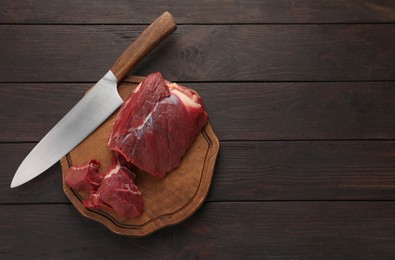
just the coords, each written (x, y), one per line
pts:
(94, 108)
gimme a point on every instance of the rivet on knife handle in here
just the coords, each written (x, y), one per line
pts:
(152, 36)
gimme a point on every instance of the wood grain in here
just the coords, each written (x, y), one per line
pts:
(253, 171)
(199, 12)
(310, 170)
(46, 188)
(156, 32)
(266, 111)
(312, 199)
(280, 230)
(81, 53)
(166, 202)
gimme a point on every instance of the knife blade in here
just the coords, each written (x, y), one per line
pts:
(94, 108)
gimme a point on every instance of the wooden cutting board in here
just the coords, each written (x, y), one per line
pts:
(166, 202)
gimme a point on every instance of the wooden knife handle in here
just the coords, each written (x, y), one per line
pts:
(163, 26)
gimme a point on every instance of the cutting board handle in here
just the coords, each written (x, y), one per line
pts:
(163, 26)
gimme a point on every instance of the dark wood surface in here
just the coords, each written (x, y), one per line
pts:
(197, 12)
(300, 93)
(264, 52)
(166, 202)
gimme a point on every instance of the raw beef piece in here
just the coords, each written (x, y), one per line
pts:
(86, 177)
(157, 125)
(117, 192)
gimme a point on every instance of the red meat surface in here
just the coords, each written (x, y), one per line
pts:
(87, 177)
(157, 124)
(117, 192)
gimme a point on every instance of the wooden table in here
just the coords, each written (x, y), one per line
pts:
(300, 93)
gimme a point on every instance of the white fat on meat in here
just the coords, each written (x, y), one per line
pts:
(190, 100)
(113, 171)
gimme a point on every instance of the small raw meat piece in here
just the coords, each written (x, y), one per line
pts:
(157, 125)
(117, 192)
(86, 177)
